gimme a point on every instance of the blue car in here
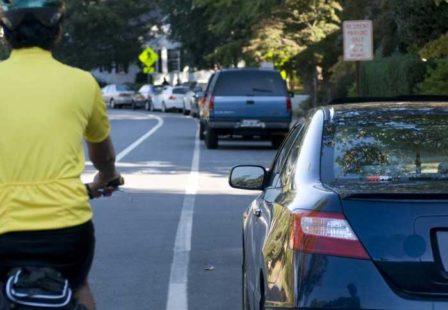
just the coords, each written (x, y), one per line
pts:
(353, 213)
(245, 102)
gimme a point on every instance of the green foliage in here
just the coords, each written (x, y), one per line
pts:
(419, 22)
(436, 49)
(189, 25)
(438, 2)
(105, 34)
(392, 76)
(304, 38)
(291, 28)
(436, 80)
(342, 78)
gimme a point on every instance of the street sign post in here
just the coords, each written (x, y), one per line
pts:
(358, 44)
(148, 57)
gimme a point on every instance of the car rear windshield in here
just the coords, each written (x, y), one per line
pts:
(181, 90)
(250, 83)
(122, 87)
(386, 146)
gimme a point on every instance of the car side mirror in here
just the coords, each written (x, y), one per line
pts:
(248, 177)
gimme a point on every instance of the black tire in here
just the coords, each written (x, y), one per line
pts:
(133, 105)
(246, 303)
(211, 139)
(245, 297)
(112, 104)
(276, 141)
(262, 297)
(185, 111)
(201, 131)
(148, 105)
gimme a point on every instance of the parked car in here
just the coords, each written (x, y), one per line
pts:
(138, 101)
(117, 95)
(149, 92)
(201, 104)
(170, 98)
(354, 210)
(190, 101)
(245, 102)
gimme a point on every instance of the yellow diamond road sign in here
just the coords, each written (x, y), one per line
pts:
(148, 70)
(148, 57)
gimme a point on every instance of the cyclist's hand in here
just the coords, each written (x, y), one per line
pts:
(105, 185)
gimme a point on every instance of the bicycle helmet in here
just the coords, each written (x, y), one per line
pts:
(47, 12)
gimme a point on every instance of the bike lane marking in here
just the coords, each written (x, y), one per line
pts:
(134, 145)
(178, 286)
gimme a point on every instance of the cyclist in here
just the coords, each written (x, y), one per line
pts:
(47, 109)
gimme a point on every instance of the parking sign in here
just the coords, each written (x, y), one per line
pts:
(358, 40)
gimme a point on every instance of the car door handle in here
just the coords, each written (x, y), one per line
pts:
(257, 212)
(250, 102)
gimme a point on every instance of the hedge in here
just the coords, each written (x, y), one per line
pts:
(392, 76)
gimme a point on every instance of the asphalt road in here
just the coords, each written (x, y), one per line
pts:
(142, 261)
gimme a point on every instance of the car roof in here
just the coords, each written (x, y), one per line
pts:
(248, 70)
(411, 98)
(389, 103)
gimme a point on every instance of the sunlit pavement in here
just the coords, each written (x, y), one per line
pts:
(136, 229)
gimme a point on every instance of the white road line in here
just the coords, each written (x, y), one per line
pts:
(178, 286)
(134, 145)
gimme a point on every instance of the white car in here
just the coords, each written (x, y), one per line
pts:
(190, 101)
(170, 98)
(149, 92)
(117, 95)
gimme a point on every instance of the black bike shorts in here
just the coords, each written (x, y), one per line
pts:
(68, 250)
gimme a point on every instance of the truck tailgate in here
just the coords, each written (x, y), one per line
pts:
(265, 108)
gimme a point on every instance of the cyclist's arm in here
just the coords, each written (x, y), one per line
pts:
(102, 155)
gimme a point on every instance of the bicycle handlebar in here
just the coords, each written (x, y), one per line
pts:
(115, 184)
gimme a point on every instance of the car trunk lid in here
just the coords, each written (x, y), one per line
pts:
(406, 236)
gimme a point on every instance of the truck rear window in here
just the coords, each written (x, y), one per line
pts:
(250, 83)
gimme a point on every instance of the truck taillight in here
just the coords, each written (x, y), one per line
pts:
(211, 104)
(172, 97)
(289, 104)
(325, 233)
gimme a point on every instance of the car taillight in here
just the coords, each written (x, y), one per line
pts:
(172, 97)
(325, 233)
(288, 105)
(211, 104)
(201, 101)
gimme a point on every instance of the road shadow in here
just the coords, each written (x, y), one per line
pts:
(245, 147)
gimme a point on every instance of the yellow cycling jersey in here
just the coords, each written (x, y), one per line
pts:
(47, 109)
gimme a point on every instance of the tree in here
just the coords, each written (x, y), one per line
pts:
(104, 34)
(436, 81)
(419, 22)
(189, 25)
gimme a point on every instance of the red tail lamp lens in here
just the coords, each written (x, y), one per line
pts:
(325, 233)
